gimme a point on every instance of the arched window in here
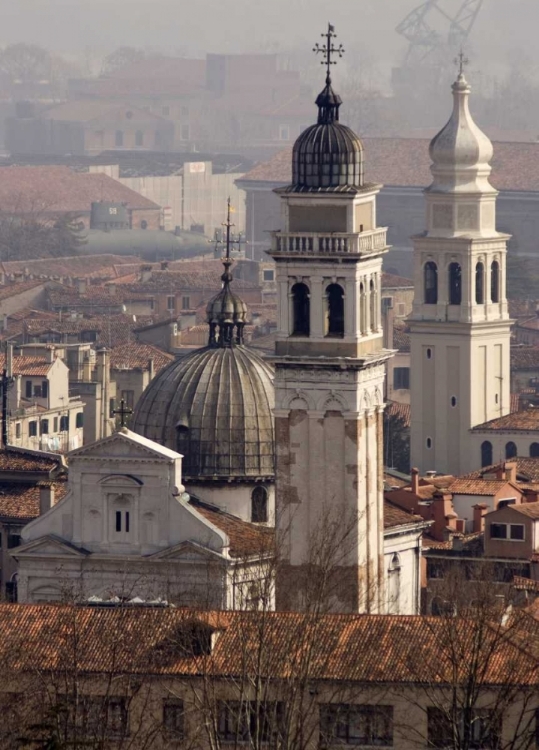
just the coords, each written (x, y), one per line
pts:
(301, 310)
(182, 439)
(534, 450)
(510, 450)
(495, 281)
(259, 505)
(334, 310)
(372, 301)
(479, 284)
(455, 284)
(431, 283)
(486, 453)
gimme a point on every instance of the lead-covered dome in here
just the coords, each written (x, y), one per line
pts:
(215, 407)
(327, 156)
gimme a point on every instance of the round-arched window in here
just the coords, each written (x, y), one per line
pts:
(534, 450)
(510, 450)
(486, 453)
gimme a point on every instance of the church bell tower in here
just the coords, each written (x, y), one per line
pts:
(329, 362)
(460, 327)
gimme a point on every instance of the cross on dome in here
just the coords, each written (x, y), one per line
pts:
(328, 49)
(462, 61)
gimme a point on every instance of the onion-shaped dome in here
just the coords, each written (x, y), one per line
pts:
(226, 313)
(215, 407)
(461, 152)
(327, 156)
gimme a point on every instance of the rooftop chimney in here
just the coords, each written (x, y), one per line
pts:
(415, 480)
(46, 497)
(511, 471)
(479, 512)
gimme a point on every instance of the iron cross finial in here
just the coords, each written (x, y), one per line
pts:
(124, 411)
(329, 49)
(461, 60)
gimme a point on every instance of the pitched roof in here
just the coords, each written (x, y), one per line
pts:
(58, 189)
(476, 486)
(79, 266)
(531, 325)
(20, 501)
(519, 421)
(401, 338)
(366, 649)
(402, 411)
(86, 110)
(527, 509)
(395, 516)
(405, 162)
(135, 356)
(23, 460)
(112, 330)
(245, 538)
(392, 281)
(524, 357)
(12, 290)
(28, 365)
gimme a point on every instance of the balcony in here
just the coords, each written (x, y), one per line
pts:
(336, 243)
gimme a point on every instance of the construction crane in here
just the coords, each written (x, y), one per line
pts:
(425, 42)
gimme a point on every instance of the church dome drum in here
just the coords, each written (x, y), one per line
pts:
(214, 406)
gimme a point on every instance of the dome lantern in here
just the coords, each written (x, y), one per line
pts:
(226, 312)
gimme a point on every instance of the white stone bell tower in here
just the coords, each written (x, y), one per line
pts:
(329, 364)
(460, 327)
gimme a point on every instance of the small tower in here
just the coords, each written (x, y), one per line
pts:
(329, 360)
(460, 327)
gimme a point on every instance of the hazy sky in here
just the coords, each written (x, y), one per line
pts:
(238, 25)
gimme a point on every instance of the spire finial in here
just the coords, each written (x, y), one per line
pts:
(327, 50)
(462, 61)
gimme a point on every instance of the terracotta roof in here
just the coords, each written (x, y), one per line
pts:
(58, 189)
(112, 330)
(135, 356)
(394, 516)
(12, 290)
(208, 278)
(405, 162)
(477, 486)
(21, 460)
(245, 538)
(527, 509)
(521, 308)
(365, 649)
(80, 266)
(520, 421)
(20, 501)
(28, 365)
(524, 357)
(392, 281)
(531, 325)
(394, 409)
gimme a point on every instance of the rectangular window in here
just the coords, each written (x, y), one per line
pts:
(481, 731)
(127, 521)
(64, 424)
(184, 111)
(268, 274)
(37, 391)
(28, 389)
(171, 303)
(94, 716)
(122, 521)
(498, 531)
(348, 724)
(139, 138)
(401, 378)
(250, 722)
(186, 303)
(173, 717)
(32, 429)
(55, 424)
(79, 419)
(44, 426)
(118, 520)
(45, 389)
(13, 540)
(517, 532)
(435, 569)
(18, 430)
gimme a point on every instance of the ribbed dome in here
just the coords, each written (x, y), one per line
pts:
(215, 407)
(461, 152)
(327, 156)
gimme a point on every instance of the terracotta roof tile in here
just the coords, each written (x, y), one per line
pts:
(524, 357)
(532, 324)
(394, 516)
(401, 338)
(12, 290)
(394, 409)
(245, 538)
(514, 399)
(405, 162)
(21, 460)
(80, 266)
(476, 486)
(135, 356)
(527, 509)
(392, 281)
(112, 330)
(28, 365)
(522, 421)
(21, 501)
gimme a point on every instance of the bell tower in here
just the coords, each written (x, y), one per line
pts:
(329, 362)
(460, 327)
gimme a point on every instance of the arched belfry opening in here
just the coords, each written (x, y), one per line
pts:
(455, 284)
(334, 310)
(495, 281)
(431, 283)
(479, 284)
(301, 310)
